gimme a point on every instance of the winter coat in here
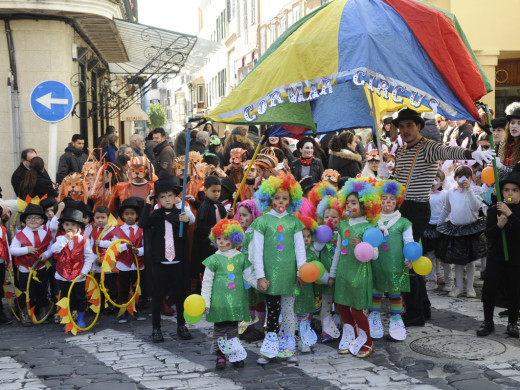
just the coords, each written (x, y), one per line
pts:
(71, 161)
(180, 143)
(110, 153)
(164, 156)
(43, 187)
(315, 172)
(346, 162)
(17, 178)
(197, 147)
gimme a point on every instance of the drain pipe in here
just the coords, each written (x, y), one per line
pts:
(11, 121)
(14, 119)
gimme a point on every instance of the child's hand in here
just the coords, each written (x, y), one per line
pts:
(466, 184)
(31, 250)
(149, 198)
(263, 284)
(190, 198)
(356, 240)
(61, 206)
(300, 282)
(69, 235)
(230, 212)
(82, 275)
(134, 250)
(408, 264)
(177, 200)
(43, 257)
(183, 217)
(332, 281)
(502, 221)
(97, 242)
(504, 209)
(207, 310)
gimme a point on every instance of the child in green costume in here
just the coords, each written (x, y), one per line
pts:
(224, 292)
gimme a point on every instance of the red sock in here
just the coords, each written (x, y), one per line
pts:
(260, 307)
(361, 321)
(346, 316)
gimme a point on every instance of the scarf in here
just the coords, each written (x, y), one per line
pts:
(306, 162)
(391, 220)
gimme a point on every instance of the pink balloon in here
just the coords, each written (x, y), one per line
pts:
(364, 252)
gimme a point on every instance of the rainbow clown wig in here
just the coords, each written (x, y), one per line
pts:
(310, 224)
(320, 191)
(230, 229)
(326, 203)
(270, 186)
(368, 195)
(249, 204)
(392, 187)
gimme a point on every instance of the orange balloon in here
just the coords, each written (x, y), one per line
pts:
(309, 273)
(488, 175)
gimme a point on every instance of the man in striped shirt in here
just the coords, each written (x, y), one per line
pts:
(415, 168)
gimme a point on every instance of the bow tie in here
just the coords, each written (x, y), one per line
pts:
(458, 189)
(434, 191)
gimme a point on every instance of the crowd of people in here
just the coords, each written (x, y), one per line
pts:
(417, 179)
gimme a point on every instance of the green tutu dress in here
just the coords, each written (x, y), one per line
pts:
(326, 256)
(353, 285)
(228, 294)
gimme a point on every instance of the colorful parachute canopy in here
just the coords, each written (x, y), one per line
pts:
(323, 71)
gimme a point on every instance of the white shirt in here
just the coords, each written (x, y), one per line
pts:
(96, 267)
(461, 208)
(88, 255)
(258, 254)
(17, 249)
(124, 246)
(437, 200)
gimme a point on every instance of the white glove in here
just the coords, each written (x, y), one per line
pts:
(325, 278)
(499, 164)
(482, 156)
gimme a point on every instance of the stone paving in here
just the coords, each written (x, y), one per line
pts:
(445, 354)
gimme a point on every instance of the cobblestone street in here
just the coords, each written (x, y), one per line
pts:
(445, 354)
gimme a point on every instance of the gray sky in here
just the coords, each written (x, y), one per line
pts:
(175, 15)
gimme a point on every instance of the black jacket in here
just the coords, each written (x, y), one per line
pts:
(346, 162)
(17, 178)
(205, 221)
(197, 147)
(315, 172)
(430, 130)
(71, 161)
(164, 156)
(179, 145)
(494, 236)
(43, 187)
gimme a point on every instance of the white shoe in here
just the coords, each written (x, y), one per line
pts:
(448, 287)
(430, 286)
(358, 343)
(397, 330)
(304, 348)
(293, 359)
(376, 325)
(263, 360)
(455, 292)
(470, 293)
(270, 346)
(347, 337)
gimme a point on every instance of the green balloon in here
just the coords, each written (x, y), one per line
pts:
(320, 266)
(192, 320)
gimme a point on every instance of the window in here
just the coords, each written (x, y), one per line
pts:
(283, 23)
(238, 18)
(245, 14)
(169, 115)
(273, 32)
(253, 11)
(200, 93)
(222, 82)
(223, 24)
(154, 83)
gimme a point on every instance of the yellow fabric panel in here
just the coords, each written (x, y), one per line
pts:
(383, 105)
(311, 52)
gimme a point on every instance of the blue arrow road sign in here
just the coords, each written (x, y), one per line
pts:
(52, 101)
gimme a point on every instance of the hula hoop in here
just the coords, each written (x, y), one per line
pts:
(102, 277)
(9, 300)
(69, 314)
(100, 235)
(13, 223)
(28, 298)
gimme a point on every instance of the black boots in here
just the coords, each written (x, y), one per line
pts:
(487, 328)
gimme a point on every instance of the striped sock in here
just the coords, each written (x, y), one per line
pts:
(376, 300)
(396, 303)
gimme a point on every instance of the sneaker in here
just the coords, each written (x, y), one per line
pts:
(183, 332)
(157, 336)
(486, 329)
(397, 329)
(512, 330)
(263, 360)
(123, 319)
(57, 319)
(26, 321)
(325, 338)
(221, 363)
(455, 292)
(430, 286)
(470, 293)
(140, 316)
(376, 325)
(448, 287)
(238, 364)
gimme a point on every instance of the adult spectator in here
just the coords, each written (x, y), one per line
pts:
(499, 131)
(343, 156)
(253, 135)
(210, 129)
(73, 159)
(201, 142)
(416, 167)
(127, 150)
(388, 130)
(509, 149)
(163, 153)
(238, 139)
(148, 147)
(109, 148)
(109, 130)
(442, 125)
(180, 142)
(462, 130)
(280, 143)
(19, 173)
(227, 133)
(430, 129)
(137, 144)
(37, 182)
(215, 147)
(307, 164)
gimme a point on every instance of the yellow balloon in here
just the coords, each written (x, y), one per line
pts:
(422, 266)
(194, 305)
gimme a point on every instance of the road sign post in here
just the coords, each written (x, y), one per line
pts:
(52, 101)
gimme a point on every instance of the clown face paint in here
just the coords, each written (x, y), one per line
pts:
(246, 218)
(514, 127)
(307, 150)
(388, 203)
(224, 244)
(307, 237)
(353, 207)
(281, 201)
(331, 218)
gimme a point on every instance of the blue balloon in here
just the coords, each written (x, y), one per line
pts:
(373, 236)
(412, 251)
(487, 195)
(323, 234)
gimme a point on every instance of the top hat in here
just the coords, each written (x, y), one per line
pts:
(33, 209)
(512, 177)
(499, 122)
(47, 202)
(169, 183)
(72, 215)
(307, 184)
(515, 114)
(228, 184)
(133, 202)
(408, 114)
